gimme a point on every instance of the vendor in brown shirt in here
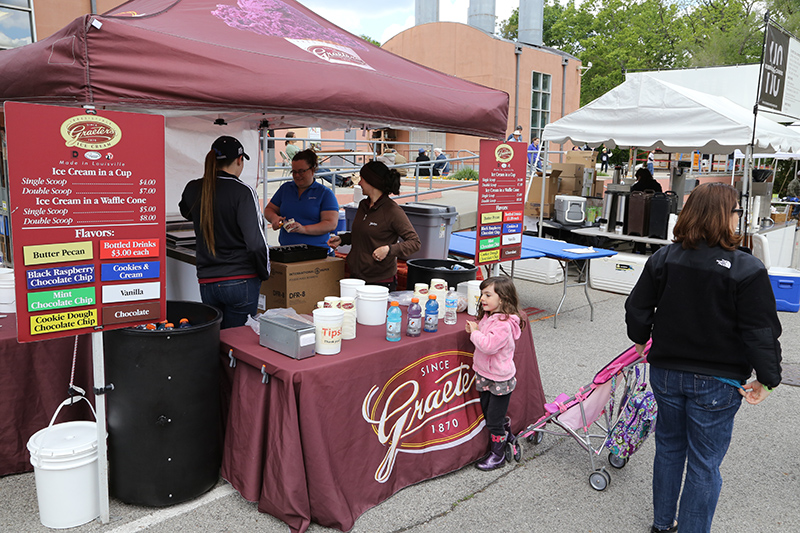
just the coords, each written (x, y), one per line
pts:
(381, 230)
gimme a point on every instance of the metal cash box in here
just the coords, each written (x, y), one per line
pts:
(287, 336)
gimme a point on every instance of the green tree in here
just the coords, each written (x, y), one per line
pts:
(724, 32)
(370, 40)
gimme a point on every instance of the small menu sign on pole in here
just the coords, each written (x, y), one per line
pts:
(501, 201)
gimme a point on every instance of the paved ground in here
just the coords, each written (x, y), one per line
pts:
(548, 490)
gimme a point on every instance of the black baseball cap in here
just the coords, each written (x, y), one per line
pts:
(227, 147)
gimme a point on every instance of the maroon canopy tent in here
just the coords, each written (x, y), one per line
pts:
(267, 59)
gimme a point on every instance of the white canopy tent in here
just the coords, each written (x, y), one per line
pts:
(648, 113)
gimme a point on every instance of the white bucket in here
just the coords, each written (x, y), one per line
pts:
(64, 459)
(473, 296)
(348, 287)
(371, 305)
(328, 324)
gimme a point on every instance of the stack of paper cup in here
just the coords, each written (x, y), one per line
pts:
(348, 306)
(439, 288)
(328, 325)
(332, 302)
(421, 292)
(348, 287)
(473, 296)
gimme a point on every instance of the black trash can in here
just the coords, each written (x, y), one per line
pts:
(453, 272)
(164, 430)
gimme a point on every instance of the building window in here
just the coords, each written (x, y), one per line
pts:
(16, 23)
(540, 103)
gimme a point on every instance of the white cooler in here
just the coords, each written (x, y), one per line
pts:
(570, 209)
(542, 270)
(618, 273)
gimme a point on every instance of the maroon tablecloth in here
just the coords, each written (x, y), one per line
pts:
(34, 378)
(328, 437)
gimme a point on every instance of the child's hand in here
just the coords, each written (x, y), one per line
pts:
(471, 326)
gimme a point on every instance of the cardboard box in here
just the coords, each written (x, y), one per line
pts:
(582, 157)
(569, 170)
(532, 204)
(301, 285)
(570, 186)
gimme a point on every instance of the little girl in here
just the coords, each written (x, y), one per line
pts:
(501, 322)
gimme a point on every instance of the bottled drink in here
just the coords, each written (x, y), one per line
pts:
(451, 307)
(184, 323)
(431, 314)
(394, 319)
(169, 326)
(414, 328)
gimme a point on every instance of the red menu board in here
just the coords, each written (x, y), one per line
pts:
(501, 201)
(86, 194)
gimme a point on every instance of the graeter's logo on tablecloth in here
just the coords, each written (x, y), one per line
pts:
(429, 405)
(90, 132)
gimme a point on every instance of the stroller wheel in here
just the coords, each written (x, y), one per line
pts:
(616, 461)
(513, 451)
(599, 480)
(536, 437)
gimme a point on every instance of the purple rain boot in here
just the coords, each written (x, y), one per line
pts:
(497, 455)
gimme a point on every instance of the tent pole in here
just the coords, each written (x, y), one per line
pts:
(263, 130)
(545, 146)
(746, 187)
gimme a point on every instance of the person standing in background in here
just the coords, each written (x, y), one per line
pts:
(604, 160)
(651, 161)
(533, 154)
(232, 257)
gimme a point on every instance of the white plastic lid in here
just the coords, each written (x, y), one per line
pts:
(68, 440)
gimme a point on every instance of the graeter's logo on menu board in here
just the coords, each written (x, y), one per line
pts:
(90, 132)
(503, 153)
(430, 405)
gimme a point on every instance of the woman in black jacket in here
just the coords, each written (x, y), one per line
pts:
(232, 253)
(710, 310)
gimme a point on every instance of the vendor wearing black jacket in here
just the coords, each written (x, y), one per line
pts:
(710, 311)
(232, 253)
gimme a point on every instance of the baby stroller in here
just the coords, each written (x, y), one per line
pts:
(623, 415)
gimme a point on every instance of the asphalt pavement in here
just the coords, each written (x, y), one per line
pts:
(548, 489)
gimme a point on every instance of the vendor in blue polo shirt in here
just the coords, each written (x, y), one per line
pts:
(303, 209)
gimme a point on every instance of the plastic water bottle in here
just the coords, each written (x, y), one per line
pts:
(394, 319)
(184, 323)
(451, 307)
(431, 314)
(414, 328)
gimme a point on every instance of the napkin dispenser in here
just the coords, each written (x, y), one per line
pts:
(287, 336)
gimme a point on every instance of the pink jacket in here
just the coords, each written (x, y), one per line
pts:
(494, 346)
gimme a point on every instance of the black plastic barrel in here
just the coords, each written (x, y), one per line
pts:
(424, 270)
(164, 430)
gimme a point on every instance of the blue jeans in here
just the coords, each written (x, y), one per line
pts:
(694, 427)
(236, 298)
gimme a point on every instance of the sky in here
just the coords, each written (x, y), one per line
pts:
(382, 20)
